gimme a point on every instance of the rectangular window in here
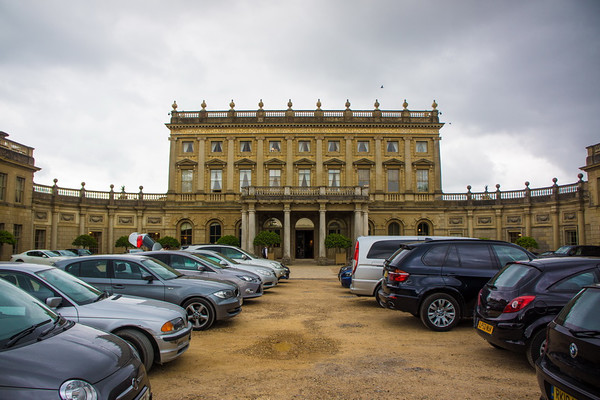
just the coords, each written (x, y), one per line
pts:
(363, 146)
(422, 180)
(17, 232)
(334, 178)
(571, 237)
(40, 239)
(392, 146)
(421, 147)
(3, 181)
(187, 177)
(303, 146)
(216, 147)
(245, 146)
(274, 177)
(20, 190)
(216, 180)
(304, 177)
(393, 181)
(333, 146)
(274, 146)
(245, 178)
(513, 236)
(188, 147)
(364, 177)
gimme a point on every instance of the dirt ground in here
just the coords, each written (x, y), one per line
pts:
(309, 338)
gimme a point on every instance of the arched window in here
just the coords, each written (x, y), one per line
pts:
(334, 227)
(394, 229)
(185, 233)
(214, 233)
(423, 229)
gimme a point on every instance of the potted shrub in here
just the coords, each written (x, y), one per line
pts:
(169, 242)
(86, 242)
(267, 239)
(123, 241)
(338, 241)
(229, 240)
(527, 242)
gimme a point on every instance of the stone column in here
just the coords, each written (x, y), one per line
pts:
(322, 259)
(230, 164)
(251, 226)
(499, 222)
(438, 165)
(408, 168)
(365, 230)
(347, 180)
(245, 234)
(357, 221)
(554, 212)
(260, 163)
(378, 179)
(172, 168)
(111, 230)
(470, 223)
(287, 234)
(201, 170)
(289, 166)
(54, 229)
(317, 179)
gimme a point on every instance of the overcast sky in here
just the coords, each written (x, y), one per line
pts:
(89, 84)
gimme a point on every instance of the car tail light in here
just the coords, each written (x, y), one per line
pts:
(479, 298)
(518, 303)
(398, 275)
(355, 258)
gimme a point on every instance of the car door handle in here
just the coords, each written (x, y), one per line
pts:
(118, 286)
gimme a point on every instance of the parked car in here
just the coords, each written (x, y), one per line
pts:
(243, 256)
(345, 275)
(204, 301)
(65, 253)
(367, 261)
(44, 356)
(47, 257)
(81, 252)
(439, 280)
(570, 366)
(188, 263)
(158, 330)
(574, 250)
(267, 275)
(517, 304)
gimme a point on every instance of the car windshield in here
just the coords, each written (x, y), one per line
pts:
(52, 253)
(66, 253)
(212, 263)
(74, 288)
(20, 313)
(398, 255)
(563, 250)
(581, 313)
(513, 275)
(161, 269)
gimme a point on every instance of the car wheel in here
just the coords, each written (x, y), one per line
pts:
(140, 343)
(19, 260)
(536, 346)
(440, 312)
(377, 299)
(200, 313)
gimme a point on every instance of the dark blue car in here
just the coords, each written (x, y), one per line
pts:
(345, 275)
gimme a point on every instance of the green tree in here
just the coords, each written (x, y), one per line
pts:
(169, 242)
(7, 237)
(337, 241)
(527, 242)
(229, 240)
(123, 241)
(85, 241)
(267, 238)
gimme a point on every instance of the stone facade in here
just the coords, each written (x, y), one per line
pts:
(305, 174)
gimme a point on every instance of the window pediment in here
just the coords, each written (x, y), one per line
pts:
(245, 161)
(363, 161)
(423, 162)
(186, 162)
(274, 161)
(215, 163)
(393, 162)
(334, 161)
(304, 161)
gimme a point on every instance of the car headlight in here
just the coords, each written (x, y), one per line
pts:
(225, 294)
(276, 265)
(245, 278)
(173, 325)
(76, 389)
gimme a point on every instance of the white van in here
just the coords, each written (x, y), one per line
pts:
(369, 254)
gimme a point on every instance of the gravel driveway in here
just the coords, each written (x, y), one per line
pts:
(309, 338)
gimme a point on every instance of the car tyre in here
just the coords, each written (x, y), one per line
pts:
(440, 312)
(200, 313)
(140, 343)
(536, 346)
(377, 299)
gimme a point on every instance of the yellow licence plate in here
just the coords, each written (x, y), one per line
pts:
(560, 395)
(487, 328)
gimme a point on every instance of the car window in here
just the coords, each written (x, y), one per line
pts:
(435, 256)
(581, 314)
(126, 270)
(508, 254)
(161, 269)
(475, 256)
(383, 248)
(181, 262)
(514, 275)
(76, 289)
(575, 282)
(29, 284)
(93, 269)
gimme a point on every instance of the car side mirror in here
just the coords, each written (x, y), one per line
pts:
(53, 302)
(147, 277)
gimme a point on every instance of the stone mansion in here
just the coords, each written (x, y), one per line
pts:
(303, 174)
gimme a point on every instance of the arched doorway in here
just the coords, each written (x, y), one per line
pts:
(305, 235)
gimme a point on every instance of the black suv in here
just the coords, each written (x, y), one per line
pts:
(570, 366)
(439, 280)
(517, 304)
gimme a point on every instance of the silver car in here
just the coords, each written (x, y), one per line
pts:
(187, 263)
(205, 301)
(159, 331)
(266, 274)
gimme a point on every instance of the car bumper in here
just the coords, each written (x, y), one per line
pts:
(400, 302)
(250, 290)
(506, 334)
(228, 308)
(172, 346)
(553, 384)
(363, 287)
